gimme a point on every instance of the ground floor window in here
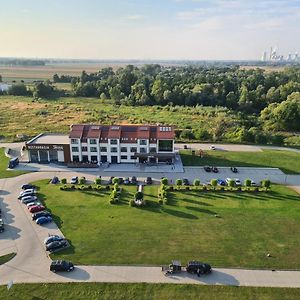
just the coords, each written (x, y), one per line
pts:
(34, 157)
(53, 155)
(85, 158)
(94, 159)
(103, 158)
(123, 156)
(114, 159)
(43, 156)
(75, 158)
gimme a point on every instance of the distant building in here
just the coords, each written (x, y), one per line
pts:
(102, 143)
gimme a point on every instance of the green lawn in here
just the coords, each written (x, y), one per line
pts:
(3, 167)
(287, 161)
(5, 258)
(143, 291)
(250, 226)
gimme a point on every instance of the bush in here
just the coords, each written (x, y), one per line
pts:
(239, 189)
(196, 182)
(204, 188)
(164, 181)
(171, 188)
(139, 195)
(116, 186)
(222, 188)
(98, 181)
(72, 187)
(115, 180)
(112, 201)
(132, 203)
(82, 180)
(99, 187)
(178, 182)
(64, 181)
(160, 201)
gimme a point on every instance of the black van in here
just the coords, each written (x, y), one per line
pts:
(13, 163)
(61, 266)
(197, 267)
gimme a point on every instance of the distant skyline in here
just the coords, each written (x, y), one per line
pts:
(139, 29)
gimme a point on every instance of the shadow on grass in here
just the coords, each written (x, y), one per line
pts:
(202, 210)
(191, 201)
(178, 213)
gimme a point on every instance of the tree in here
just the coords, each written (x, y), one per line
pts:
(43, 90)
(266, 184)
(247, 183)
(231, 183)
(18, 90)
(179, 182)
(164, 181)
(196, 182)
(214, 183)
(0, 78)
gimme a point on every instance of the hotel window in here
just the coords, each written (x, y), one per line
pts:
(143, 142)
(113, 149)
(133, 149)
(132, 157)
(142, 150)
(153, 149)
(93, 149)
(75, 158)
(93, 141)
(123, 149)
(74, 141)
(103, 149)
(123, 156)
(113, 142)
(84, 148)
(75, 149)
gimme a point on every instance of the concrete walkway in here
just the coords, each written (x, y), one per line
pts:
(31, 264)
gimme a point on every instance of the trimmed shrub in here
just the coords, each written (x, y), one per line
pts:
(98, 181)
(171, 188)
(179, 182)
(160, 201)
(164, 181)
(196, 182)
(132, 203)
(72, 187)
(64, 181)
(222, 188)
(139, 196)
(107, 187)
(115, 180)
(204, 188)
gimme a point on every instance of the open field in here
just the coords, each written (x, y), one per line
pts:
(5, 258)
(145, 291)
(32, 73)
(287, 161)
(3, 167)
(250, 226)
(23, 115)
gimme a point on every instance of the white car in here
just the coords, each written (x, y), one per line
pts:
(228, 180)
(212, 147)
(29, 191)
(237, 182)
(253, 183)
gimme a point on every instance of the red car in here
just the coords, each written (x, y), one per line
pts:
(36, 208)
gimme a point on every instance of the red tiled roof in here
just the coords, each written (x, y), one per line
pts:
(127, 133)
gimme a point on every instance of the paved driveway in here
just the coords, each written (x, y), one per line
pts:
(31, 263)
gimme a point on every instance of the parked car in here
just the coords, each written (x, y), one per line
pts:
(33, 204)
(127, 181)
(53, 238)
(43, 213)
(110, 181)
(185, 147)
(61, 266)
(36, 208)
(234, 169)
(221, 182)
(237, 182)
(1, 225)
(253, 183)
(74, 180)
(27, 193)
(185, 181)
(56, 245)
(54, 180)
(43, 220)
(28, 199)
(133, 180)
(197, 267)
(228, 180)
(207, 169)
(215, 169)
(27, 186)
(148, 180)
(212, 147)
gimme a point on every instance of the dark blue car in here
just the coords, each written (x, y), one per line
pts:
(43, 220)
(221, 182)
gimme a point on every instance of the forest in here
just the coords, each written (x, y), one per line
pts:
(262, 103)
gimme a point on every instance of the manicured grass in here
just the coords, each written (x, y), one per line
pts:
(249, 226)
(5, 258)
(145, 291)
(3, 167)
(287, 161)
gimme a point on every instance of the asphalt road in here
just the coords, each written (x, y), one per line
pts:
(31, 264)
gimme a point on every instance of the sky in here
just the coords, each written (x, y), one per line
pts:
(152, 29)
